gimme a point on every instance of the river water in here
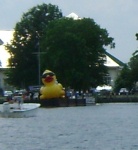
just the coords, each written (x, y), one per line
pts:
(99, 127)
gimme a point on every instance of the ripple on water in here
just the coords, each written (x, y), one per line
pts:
(100, 127)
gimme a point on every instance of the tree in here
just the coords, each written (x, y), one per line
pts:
(24, 46)
(128, 76)
(133, 64)
(75, 50)
(124, 79)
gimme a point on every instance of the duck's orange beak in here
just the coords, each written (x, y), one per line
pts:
(48, 79)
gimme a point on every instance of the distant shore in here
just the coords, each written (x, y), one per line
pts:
(63, 102)
(117, 99)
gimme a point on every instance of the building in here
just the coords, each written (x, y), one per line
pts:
(5, 37)
(114, 66)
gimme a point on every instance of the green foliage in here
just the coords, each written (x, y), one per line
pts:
(129, 74)
(75, 51)
(124, 79)
(24, 47)
(134, 66)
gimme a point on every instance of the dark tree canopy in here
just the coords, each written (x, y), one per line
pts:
(124, 79)
(24, 47)
(75, 50)
(129, 74)
(133, 64)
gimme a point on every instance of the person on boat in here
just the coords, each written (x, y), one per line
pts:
(19, 101)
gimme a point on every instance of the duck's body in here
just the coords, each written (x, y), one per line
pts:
(51, 91)
(51, 88)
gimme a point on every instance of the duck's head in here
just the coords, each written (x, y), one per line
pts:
(48, 77)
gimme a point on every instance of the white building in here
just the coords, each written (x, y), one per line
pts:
(5, 37)
(114, 67)
(74, 16)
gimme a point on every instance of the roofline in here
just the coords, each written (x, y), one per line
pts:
(120, 63)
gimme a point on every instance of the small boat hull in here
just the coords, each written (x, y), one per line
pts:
(12, 111)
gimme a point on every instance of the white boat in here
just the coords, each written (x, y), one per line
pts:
(25, 110)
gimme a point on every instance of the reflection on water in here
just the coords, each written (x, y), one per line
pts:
(99, 127)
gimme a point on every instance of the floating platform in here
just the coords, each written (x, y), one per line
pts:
(61, 102)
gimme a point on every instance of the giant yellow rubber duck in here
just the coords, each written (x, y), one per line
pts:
(51, 88)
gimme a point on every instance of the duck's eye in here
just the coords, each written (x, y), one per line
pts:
(46, 74)
(50, 74)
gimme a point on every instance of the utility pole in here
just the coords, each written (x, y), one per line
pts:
(38, 53)
(39, 64)
(38, 58)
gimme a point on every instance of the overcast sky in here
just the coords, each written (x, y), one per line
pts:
(119, 17)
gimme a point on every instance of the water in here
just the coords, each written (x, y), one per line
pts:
(100, 127)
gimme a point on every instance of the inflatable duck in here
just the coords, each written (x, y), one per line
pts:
(51, 88)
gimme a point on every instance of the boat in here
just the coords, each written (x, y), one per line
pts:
(25, 110)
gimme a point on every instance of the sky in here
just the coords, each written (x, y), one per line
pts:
(118, 17)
